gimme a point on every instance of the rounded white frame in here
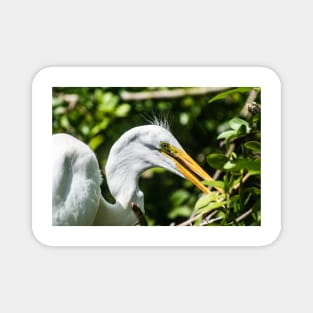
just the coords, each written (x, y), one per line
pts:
(50, 235)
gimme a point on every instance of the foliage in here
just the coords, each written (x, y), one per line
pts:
(211, 127)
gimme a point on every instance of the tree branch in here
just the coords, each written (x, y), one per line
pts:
(244, 179)
(250, 100)
(190, 220)
(212, 220)
(244, 215)
(171, 93)
(207, 219)
(141, 218)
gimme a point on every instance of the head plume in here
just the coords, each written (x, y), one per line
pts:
(161, 119)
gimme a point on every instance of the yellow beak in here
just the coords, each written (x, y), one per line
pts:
(187, 166)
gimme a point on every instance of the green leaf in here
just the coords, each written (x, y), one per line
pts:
(122, 110)
(184, 118)
(227, 134)
(229, 165)
(206, 199)
(211, 206)
(64, 122)
(85, 130)
(216, 160)
(56, 101)
(59, 110)
(214, 183)
(227, 93)
(95, 142)
(234, 181)
(108, 102)
(253, 145)
(182, 211)
(99, 127)
(253, 190)
(236, 123)
(252, 166)
(179, 197)
(99, 95)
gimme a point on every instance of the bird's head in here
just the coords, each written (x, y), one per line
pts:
(150, 146)
(170, 155)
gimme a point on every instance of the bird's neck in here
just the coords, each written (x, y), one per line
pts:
(113, 214)
(120, 213)
(122, 174)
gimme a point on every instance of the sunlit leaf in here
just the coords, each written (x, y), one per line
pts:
(99, 96)
(206, 199)
(99, 127)
(236, 123)
(227, 93)
(183, 118)
(95, 142)
(181, 211)
(211, 206)
(227, 134)
(85, 130)
(253, 166)
(122, 110)
(57, 101)
(214, 183)
(64, 122)
(59, 110)
(108, 102)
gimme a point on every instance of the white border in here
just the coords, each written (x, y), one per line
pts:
(156, 236)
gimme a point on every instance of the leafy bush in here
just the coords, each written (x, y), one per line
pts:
(220, 129)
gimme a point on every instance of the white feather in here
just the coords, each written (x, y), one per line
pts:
(77, 198)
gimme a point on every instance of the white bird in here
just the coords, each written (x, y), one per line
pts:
(77, 198)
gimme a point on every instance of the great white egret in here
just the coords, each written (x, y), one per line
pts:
(77, 198)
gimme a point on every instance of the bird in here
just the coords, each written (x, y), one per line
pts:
(76, 193)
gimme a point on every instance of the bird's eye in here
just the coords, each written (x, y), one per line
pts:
(164, 146)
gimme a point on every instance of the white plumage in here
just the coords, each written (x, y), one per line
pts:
(76, 182)
(77, 198)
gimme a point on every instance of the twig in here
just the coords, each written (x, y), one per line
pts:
(71, 99)
(209, 217)
(242, 216)
(254, 108)
(190, 220)
(171, 93)
(244, 179)
(252, 96)
(195, 217)
(204, 223)
(141, 218)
